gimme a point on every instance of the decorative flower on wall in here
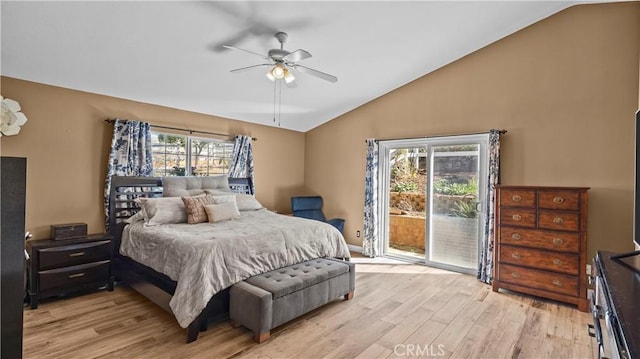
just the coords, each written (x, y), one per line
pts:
(12, 118)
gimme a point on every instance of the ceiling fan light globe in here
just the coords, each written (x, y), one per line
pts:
(278, 71)
(270, 76)
(288, 76)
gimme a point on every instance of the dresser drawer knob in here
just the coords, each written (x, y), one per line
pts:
(516, 236)
(77, 275)
(516, 217)
(77, 254)
(516, 198)
(558, 220)
(558, 241)
(515, 275)
(557, 283)
(558, 199)
(516, 255)
(557, 262)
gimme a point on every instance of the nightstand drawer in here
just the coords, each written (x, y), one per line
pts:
(75, 276)
(63, 256)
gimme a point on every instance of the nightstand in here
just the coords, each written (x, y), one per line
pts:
(63, 266)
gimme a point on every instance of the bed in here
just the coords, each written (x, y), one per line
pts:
(187, 269)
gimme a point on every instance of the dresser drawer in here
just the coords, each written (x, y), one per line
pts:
(564, 200)
(64, 256)
(518, 217)
(74, 276)
(553, 261)
(563, 221)
(559, 241)
(518, 198)
(553, 282)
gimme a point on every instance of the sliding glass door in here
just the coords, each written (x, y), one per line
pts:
(431, 199)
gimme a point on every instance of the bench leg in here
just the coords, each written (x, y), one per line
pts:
(348, 296)
(261, 337)
(234, 324)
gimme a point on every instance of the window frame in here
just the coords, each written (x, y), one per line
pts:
(188, 147)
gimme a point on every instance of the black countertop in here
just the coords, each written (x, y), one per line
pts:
(623, 285)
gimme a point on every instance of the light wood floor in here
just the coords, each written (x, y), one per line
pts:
(398, 310)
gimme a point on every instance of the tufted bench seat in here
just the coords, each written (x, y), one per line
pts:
(268, 300)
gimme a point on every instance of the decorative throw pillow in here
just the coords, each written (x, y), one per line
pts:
(222, 212)
(224, 199)
(195, 208)
(162, 210)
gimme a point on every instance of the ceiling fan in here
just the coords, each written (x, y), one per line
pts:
(281, 62)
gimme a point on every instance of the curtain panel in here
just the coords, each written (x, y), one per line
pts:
(130, 155)
(485, 267)
(370, 244)
(242, 160)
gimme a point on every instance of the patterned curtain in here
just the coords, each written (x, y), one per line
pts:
(370, 240)
(130, 155)
(485, 267)
(242, 160)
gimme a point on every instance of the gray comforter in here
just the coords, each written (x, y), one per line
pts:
(206, 258)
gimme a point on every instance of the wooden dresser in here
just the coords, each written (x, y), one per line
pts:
(541, 242)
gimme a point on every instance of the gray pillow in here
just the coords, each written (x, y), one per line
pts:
(163, 210)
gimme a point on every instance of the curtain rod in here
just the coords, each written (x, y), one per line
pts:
(182, 129)
(502, 132)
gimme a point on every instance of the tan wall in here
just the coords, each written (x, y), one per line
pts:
(66, 143)
(565, 88)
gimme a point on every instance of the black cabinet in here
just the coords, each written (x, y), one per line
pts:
(64, 266)
(13, 175)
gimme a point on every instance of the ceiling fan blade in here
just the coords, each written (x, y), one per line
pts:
(316, 73)
(297, 55)
(250, 67)
(247, 51)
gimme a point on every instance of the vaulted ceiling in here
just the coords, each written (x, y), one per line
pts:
(170, 53)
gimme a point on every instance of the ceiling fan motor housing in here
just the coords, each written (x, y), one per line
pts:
(278, 54)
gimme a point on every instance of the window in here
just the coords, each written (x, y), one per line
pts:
(176, 155)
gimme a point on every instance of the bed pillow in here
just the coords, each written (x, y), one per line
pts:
(245, 202)
(222, 212)
(195, 208)
(162, 210)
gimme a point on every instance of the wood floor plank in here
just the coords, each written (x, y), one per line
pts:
(396, 308)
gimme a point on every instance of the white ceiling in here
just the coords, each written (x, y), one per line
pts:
(168, 53)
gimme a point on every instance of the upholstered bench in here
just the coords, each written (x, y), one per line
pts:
(268, 300)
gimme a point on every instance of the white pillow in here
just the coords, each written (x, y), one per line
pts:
(222, 212)
(162, 210)
(246, 202)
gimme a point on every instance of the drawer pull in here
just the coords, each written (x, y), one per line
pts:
(558, 220)
(516, 198)
(516, 255)
(516, 236)
(515, 275)
(558, 241)
(558, 199)
(557, 283)
(516, 217)
(77, 275)
(77, 254)
(557, 262)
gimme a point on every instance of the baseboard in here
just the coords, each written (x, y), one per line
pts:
(354, 248)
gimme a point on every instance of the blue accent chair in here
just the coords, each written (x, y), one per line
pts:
(311, 207)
